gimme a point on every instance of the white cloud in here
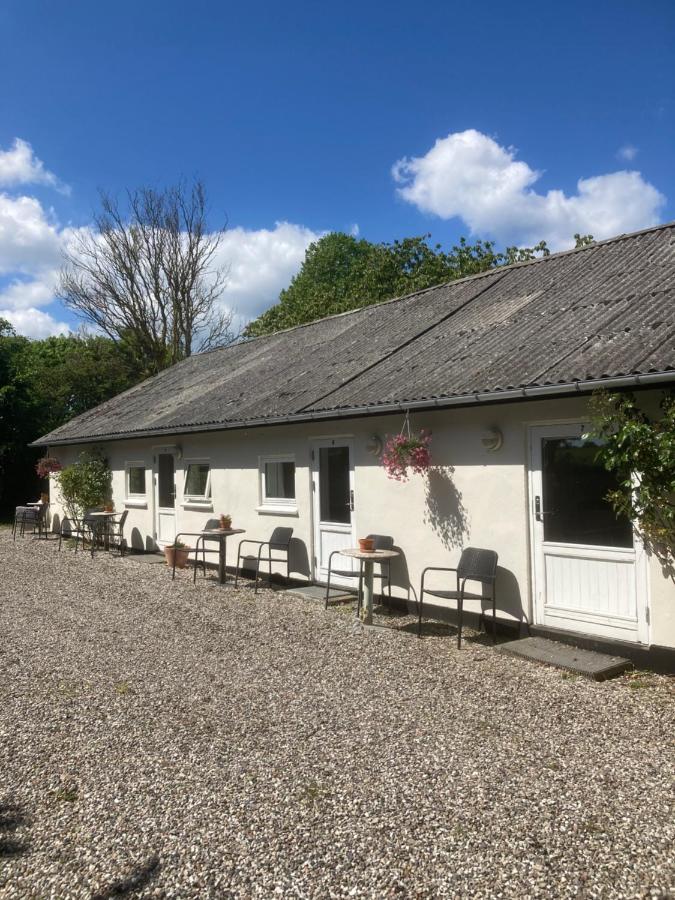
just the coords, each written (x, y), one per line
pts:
(628, 152)
(26, 294)
(34, 322)
(260, 263)
(29, 241)
(20, 165)
(469, 175)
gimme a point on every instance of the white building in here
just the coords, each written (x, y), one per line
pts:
(285, 430)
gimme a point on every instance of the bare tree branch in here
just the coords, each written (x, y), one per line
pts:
(147, 275)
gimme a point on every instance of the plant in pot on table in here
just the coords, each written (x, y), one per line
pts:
(179, 551)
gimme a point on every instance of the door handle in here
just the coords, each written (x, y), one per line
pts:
(350, 502)
(539, 513)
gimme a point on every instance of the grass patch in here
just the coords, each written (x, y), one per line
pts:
(66, 794)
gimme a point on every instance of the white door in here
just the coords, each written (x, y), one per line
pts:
(590, 571)
(165, 498)
(333, 494)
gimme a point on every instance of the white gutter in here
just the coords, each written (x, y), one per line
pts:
(381, 409)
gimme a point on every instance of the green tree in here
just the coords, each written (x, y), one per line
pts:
(639, 449)
(341, 272)
(43, 383)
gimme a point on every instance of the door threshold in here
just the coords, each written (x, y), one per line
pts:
(643, 656)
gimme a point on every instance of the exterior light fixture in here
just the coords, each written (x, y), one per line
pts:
(374, 445)
(492, 440)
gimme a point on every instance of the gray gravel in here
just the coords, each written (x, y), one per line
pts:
(161, 740)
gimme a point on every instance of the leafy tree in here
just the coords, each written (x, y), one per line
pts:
(640, 450)
(43, 383)
(583, 240)
(146, 275)
(341, 272)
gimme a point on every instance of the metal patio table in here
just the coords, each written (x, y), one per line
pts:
(102, 519)
(221, 535)
(367, 560)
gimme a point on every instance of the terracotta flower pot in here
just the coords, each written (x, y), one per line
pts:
(181, 554)
(366, 545)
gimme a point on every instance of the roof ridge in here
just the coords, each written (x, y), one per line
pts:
(515, 265)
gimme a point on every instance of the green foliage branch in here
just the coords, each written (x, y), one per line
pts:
(640, 450)
(85, 484)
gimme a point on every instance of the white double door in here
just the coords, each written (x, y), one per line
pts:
(590, 572)
(333, 505)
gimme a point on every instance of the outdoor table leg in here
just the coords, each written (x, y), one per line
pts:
(222, 567)
(367, 604)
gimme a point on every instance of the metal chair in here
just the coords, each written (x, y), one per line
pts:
(34, 517)
(280, 541)
(381, 542)
(116, 532)
(474, 565)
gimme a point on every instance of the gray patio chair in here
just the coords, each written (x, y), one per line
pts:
(381, 542)
(116, 532)
(30, 517)
(279, 541)
(474, 565)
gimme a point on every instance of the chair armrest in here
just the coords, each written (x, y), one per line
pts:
(435, 569)
(247, 541)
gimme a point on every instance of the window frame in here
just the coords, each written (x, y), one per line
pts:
(204, 498)
(279, 505)
(135, 464)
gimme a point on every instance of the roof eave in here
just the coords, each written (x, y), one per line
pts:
(380, 409)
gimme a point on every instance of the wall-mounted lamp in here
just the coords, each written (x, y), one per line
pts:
(374, 445)
(493, 439)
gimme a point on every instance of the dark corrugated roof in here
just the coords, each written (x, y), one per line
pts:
(589, 314)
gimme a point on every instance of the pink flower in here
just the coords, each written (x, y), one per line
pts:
(402, 452)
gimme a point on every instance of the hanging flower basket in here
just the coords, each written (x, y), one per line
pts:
(47, 465)
(407, 451)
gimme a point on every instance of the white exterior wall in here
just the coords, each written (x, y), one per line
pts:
(481, 501)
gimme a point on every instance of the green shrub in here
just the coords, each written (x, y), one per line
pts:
(85, 484)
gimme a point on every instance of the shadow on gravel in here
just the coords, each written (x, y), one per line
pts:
(138, 878)
(11, 818)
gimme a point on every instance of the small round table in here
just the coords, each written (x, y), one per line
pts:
(221, 535)
(101, 530)
(368, 559)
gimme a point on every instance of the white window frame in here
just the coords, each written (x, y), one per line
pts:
(137, 500)
(197, 500)
(280, 506)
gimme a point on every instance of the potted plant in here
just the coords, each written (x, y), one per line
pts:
(225, 522)
(47, 465)
(407, 450)
(366, 545)
(179, 551)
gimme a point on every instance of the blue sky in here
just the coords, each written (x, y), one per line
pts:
(514, 122)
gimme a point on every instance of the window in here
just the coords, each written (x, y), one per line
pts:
(135, 479)
(197, 481)
(277, 481)
(575, 487)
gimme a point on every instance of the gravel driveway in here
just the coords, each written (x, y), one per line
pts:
(162, 740)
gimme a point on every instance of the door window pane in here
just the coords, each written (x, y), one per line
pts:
(279, 480)
(136, 480)
(165, 481)
(196, 479)
(575, 486)
(334, 484)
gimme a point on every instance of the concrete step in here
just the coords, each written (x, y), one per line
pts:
(598, 666)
